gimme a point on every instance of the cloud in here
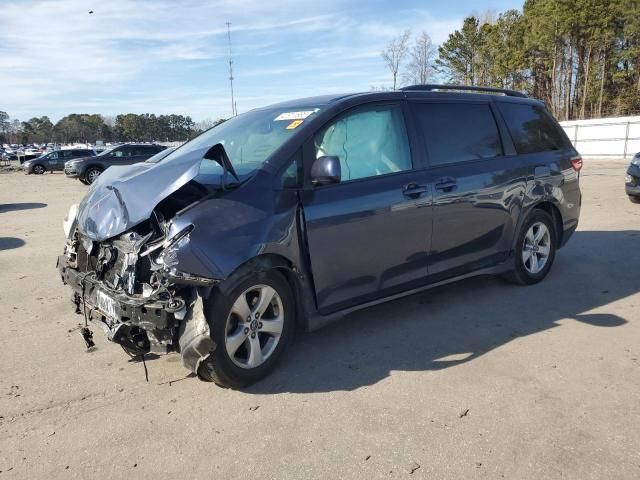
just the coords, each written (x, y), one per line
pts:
(166, 56)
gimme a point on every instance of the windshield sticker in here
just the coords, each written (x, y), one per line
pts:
(294, 115)
(294, 124)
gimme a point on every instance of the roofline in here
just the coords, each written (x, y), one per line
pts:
(472, 88)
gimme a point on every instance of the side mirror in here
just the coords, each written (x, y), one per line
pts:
(326, 170)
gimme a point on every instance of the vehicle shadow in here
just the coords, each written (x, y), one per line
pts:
(8, 243)
(11, 207)
(458, 323)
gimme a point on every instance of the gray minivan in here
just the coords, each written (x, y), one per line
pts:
(304, 211)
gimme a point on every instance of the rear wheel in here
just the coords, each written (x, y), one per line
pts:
(92, 174)
(39, 169)
(251, 327)
(535, 249)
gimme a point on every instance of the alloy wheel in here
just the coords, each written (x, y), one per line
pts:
(254, 326)
(536, 248)
(92, 175)
(38, 169)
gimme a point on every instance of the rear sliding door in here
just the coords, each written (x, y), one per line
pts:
(477, 188)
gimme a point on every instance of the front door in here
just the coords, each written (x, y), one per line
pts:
(368, 236)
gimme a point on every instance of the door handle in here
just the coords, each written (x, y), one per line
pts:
(446, 184)
(413, 189)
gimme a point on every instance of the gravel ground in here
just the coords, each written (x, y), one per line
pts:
(480, 379)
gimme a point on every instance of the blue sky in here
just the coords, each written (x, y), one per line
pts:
(164, 56)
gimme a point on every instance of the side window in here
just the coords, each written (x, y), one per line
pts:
(292, 175)
(368, 141)
(458, 132)
(122, 152)
(53, 156)
(68, 154)
(531, 128)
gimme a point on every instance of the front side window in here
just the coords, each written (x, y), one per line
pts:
(369, 141)
(531, 128)
(122, 152)
(458, 132)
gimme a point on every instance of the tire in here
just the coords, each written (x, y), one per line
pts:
(83, 181)
(91, 174)
(39, 169)
(531, 264)
(634, 199)
(235, 370)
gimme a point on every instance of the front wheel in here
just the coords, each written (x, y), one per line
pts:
(39, 169)
(92, 174)
(535, 249)
(634, 199)
(250, 326)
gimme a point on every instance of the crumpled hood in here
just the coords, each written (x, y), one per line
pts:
(124, 196)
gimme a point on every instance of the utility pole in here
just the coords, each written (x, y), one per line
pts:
(234, 110)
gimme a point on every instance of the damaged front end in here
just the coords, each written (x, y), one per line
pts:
(130, 287)
(128, 282)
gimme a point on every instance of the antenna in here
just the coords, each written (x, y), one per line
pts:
(234, 110)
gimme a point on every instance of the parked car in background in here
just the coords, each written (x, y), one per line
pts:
(304, 211)
(54, 161)
(632, 179)
(88, 169)
(28, 154)
(158, 157)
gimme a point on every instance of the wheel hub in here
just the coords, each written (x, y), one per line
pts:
(254, 326)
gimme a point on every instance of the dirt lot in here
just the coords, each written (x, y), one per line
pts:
(476, 380)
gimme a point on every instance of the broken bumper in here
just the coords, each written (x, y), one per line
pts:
(116, 313)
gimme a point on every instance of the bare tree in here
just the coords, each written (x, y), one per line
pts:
(422, 56)
(394, 54)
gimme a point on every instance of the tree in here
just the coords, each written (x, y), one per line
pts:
(458, 56)
(5, 125)
(395, 53)
(421, 67)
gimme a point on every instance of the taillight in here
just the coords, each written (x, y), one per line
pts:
(576, 163)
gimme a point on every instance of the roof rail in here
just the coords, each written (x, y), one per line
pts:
(432, 87)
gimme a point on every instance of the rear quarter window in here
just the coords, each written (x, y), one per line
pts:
(532, 129)
(458, 132)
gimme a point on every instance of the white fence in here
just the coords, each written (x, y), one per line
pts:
(605, 137)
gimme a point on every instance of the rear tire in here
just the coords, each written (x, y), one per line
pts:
(535, 249)
(247, 347)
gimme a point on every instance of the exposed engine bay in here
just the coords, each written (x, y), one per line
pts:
(129, 285)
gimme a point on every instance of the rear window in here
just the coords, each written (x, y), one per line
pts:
(531, 128)
(458, 132)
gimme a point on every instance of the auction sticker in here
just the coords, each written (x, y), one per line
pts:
(294, 124)
(294, 115)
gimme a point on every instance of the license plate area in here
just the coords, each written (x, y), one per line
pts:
(106, 305)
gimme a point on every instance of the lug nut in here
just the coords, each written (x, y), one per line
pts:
(253, 335)
(260, 325)
(246, 330)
